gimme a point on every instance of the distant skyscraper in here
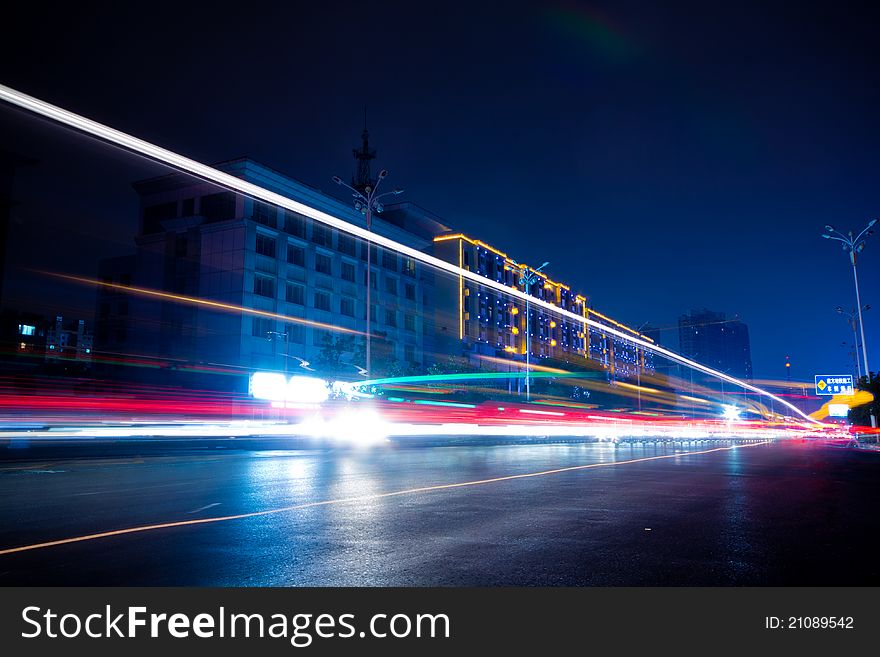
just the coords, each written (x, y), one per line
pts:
(713, 340)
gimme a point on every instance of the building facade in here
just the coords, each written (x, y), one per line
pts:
(713, 340)
(282, 290)
(487, 322)
(69, 342)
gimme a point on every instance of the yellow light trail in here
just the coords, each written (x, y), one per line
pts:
(632, 386)
(359, 498)
(202, 302)
(518, 365)
(695, 399)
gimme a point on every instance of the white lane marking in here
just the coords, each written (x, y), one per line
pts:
(208, 506)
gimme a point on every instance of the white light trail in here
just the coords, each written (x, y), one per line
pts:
(363, 427)
(228, 181)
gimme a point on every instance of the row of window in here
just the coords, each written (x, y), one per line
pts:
(265, 285)
(267, 245)
(214, 207)
(264, 327)
(296, 294)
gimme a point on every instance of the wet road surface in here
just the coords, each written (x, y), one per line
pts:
(780, 514)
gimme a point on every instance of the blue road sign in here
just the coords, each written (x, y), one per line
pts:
(834, 384)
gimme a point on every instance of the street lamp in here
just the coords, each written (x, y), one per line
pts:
(855, 245)
(852, 317)
(527, 279)
(367, 202)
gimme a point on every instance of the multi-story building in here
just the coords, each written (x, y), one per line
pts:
(69, 342)
(713, 340)
(305, 281)
(486, 322)
(32, 340)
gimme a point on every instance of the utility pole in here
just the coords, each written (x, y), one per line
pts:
(855, 244)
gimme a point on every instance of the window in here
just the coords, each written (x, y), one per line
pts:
(322, 235)
(296, 255)
(410, 292)
(26, 329)
(374, 313)
(391, 285)
(261, 327)
(348, 272)
(390, 317)
(389, 260)
(323, 264)
(346, 306)
(409, 353)
(294, 224)
(320, 338)
(265, 245)
(374, 253)
(296, 333)
(409, 322)
(322, 301)
(409, 267)
(264, 214)
(374, 279)
(217, 207)
(295, 294)
(347, 244)
(264, 286)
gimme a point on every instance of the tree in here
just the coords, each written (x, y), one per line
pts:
(330, 358)
(862, 414)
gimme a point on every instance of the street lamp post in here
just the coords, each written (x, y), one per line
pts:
(366, 203)
(853, 352)
(855, 245)
(527, 279)
(852, 317)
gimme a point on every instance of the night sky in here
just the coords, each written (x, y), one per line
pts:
(660, 158)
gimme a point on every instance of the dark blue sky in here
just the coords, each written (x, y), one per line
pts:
(660, 158)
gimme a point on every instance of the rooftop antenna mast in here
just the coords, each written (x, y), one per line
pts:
(362, 178)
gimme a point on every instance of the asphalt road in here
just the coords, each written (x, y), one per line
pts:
(782, 514)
